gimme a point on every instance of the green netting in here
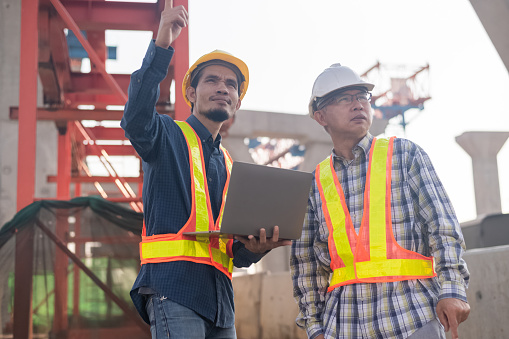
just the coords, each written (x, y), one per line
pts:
(104, 236)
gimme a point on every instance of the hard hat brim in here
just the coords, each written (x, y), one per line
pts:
(366, 85)
(217, 55)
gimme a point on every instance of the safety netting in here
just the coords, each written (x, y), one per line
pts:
(84, 258)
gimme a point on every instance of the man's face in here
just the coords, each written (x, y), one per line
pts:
(216, 95)
(346, 119)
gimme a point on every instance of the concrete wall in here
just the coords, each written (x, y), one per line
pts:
(488, 293)
(265, 307)
(46, 161)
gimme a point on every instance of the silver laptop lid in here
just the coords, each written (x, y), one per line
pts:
(262, 197)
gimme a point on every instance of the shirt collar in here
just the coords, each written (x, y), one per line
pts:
(363, 146)
(202, 131)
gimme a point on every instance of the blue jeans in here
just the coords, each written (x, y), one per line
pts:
(432, 330)
(171, 320)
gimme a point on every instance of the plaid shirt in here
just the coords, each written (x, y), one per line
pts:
(423, 221)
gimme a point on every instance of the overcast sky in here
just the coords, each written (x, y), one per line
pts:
(287, 43)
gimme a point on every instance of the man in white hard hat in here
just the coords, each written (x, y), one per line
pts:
(380, 254)
(184, 288)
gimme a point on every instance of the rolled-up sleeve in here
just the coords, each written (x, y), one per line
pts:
(242, 257)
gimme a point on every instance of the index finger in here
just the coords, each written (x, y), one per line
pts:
(275, 234)
(168, 3)
(454, 329)
(263, 235)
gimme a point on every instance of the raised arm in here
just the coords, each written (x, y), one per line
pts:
(141, 122)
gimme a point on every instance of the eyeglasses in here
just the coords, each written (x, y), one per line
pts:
(346, 99)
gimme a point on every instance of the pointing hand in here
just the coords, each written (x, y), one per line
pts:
(171, 24)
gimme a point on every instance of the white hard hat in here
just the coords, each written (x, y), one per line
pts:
(333, 78)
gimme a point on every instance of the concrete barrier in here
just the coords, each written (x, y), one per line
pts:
(265, 308)
(488, 293)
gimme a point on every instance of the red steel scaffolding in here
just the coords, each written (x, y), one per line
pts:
(45, 54)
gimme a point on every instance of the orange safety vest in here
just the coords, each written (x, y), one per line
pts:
(176, 247)
(373, 255)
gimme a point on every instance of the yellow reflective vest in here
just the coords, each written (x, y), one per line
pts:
(177, 247)
(373, 255)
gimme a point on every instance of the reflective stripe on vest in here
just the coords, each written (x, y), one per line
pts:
(373, 255)
(176, 247)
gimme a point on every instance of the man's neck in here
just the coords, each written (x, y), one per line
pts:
(343, 146)
(212, 126)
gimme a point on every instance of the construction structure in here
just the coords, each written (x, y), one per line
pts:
(399, 89)
(65, 90)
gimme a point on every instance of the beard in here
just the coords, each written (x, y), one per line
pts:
(217, 115)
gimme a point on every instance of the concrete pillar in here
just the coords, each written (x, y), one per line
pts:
(494, 16)
(483, 147)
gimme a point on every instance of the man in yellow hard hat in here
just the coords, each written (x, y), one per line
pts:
(184, 287)
(380, 254)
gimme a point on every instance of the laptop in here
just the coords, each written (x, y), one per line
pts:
(262, 197)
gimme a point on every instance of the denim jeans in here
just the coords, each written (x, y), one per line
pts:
(432, 330)
(171, 320)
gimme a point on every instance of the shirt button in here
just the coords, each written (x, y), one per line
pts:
(138, 80)
(210, 179)
(151, 53)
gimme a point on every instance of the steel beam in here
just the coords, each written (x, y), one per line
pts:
(60, 52)
(64, 162)
(76, 99)
(112, 150)
(47, 72)
(94, 83)
(27, 103)
(108, 133)
(125, 200)
(100, 179)
(77, 114)
(102, 15)
(26, 166)
(94, 58)
(60, 321)
(76, 273)
(134, 239)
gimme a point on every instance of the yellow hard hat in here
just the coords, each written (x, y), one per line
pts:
(218, 55)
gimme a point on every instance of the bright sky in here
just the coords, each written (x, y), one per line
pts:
(287, 43)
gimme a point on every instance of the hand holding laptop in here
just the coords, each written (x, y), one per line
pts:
(262, 244)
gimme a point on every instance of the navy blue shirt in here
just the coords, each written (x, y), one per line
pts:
(167, 196)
